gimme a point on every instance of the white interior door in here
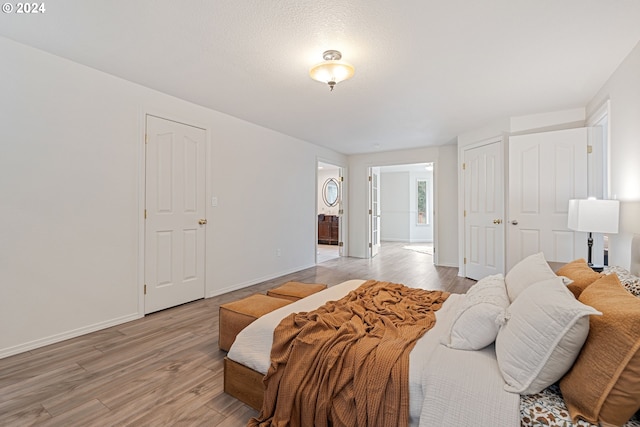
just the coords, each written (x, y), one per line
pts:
(484, 210)
(374, 210)
(546, 170)
(175, 214)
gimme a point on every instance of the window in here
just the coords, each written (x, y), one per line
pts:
(422, 195)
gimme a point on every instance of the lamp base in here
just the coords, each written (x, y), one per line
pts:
(596, 268)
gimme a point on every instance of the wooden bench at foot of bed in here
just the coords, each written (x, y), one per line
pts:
(243, 383)
(293, 291)
(236, 315)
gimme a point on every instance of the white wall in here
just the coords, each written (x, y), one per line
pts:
(623, 89)
(71, 169)
(445, 197)
(399, 206)
(394, 206)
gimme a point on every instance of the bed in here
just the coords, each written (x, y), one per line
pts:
(467, 385)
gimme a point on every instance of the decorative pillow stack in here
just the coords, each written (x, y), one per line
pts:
(581, 274)
(477, 322)
(544, 330)
(603, 386)
(532, 269)
(543, 335)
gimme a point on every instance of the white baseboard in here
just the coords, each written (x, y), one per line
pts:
(20, 348)
(252, 282)
(448, 264)
(406, 240)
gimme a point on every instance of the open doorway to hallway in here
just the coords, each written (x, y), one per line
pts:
(405, 211)
(329, 210)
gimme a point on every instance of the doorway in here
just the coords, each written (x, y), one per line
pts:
(330, 212)
(402, 207)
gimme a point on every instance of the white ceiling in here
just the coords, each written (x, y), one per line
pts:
(426, 70)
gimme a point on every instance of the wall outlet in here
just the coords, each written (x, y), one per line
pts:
(278, 253)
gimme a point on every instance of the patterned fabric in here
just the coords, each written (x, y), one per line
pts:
(547, 408)
(628, 280)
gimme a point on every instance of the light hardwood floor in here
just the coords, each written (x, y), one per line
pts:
(326, 253)
(166, 368)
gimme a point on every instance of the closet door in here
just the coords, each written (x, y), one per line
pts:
(483, 211)
(546, 170)
(175, 214)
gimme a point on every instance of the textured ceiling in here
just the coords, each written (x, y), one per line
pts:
(426, 70)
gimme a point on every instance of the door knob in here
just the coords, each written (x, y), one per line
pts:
(514, 222)
(497, 221)
(202, 222)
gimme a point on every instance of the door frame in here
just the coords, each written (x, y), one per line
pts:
(342, 202)
(142, 128)
(599, 167)
(372, 214)
(434, 198)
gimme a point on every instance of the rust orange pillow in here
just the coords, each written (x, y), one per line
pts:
(581, 274)
(603, 386)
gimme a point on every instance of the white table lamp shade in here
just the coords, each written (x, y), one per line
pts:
(595, 216)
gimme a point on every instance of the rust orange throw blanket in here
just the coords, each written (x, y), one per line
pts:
(347, 363)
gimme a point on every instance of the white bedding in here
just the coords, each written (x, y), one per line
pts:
(454, 385)
(468, 391)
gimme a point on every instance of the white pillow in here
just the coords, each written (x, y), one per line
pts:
(544, 332)
(476, 323)
(532, 269)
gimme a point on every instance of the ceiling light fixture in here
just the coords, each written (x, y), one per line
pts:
(332, 70)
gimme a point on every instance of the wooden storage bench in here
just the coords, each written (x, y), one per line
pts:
(236, 315)
(294, 291)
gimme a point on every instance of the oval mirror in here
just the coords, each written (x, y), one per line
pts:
(330, 192)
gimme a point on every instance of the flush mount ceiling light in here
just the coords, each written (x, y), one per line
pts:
(332, 70)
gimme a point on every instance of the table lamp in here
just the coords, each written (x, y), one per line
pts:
(593, 216)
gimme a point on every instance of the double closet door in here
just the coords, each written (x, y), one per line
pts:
(542, 172)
